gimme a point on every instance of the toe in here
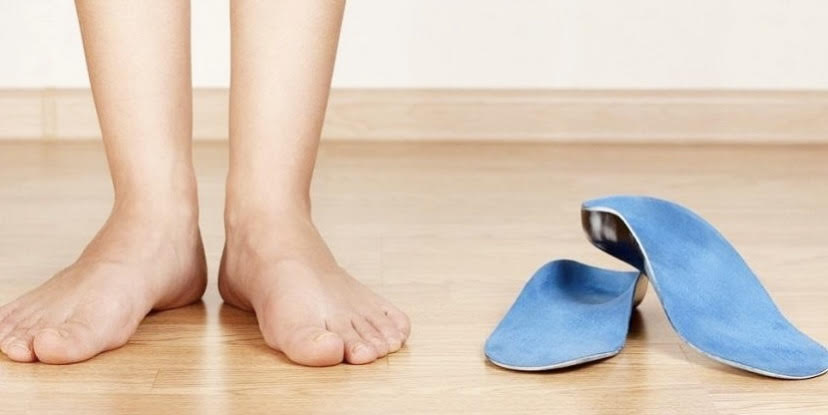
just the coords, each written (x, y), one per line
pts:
(9, 324)
(393, 336)
(400, 320)
(18, 346)
(367, 331)
(69, 342)
(93, 328)
(5, 311)
(358, 351)
(19, 350)
(6, 327)
(300, 334)
(310, 345)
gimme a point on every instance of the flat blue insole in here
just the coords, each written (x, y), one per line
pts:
(710, 295)
(567, 314)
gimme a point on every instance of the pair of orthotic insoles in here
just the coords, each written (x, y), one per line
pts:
(571, 313)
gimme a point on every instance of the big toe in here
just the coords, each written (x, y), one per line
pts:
(312, 346)
(68, 343)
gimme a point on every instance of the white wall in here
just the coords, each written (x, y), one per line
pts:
(755, 44)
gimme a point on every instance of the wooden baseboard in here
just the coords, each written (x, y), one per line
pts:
(679, 116)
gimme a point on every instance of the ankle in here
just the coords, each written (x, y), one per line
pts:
(168, 209)
(278, 212)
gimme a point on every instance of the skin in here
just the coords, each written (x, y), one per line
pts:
(275, 262)
(148, 255)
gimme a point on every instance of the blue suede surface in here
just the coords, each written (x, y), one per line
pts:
(568, 313)
(710, 295)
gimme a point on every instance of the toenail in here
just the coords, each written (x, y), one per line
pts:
(8, 342)
(19, 346)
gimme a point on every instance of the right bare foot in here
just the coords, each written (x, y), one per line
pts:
(143, 259)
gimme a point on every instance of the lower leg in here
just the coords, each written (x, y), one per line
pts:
(275, 261)
(148, 255)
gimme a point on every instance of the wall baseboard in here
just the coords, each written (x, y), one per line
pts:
(670, 116)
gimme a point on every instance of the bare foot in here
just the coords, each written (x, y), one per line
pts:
(141, 260)
(307, 306)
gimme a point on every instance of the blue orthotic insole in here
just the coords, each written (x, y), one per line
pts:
(711, 297)
(567, 314)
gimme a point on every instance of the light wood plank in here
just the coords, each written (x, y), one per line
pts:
(449, 232)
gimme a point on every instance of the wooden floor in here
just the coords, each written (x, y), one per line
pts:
(449, 233)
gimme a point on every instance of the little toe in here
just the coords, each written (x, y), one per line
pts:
(392, 334)
(8, 325)
(368, 332)
(18, 346)
(5, 330)
(20, 351)
(13, 335)
(400, 320)
(358, 351)
(68, 343)
(310, 345)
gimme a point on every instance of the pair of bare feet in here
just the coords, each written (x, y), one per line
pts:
(151, 258)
